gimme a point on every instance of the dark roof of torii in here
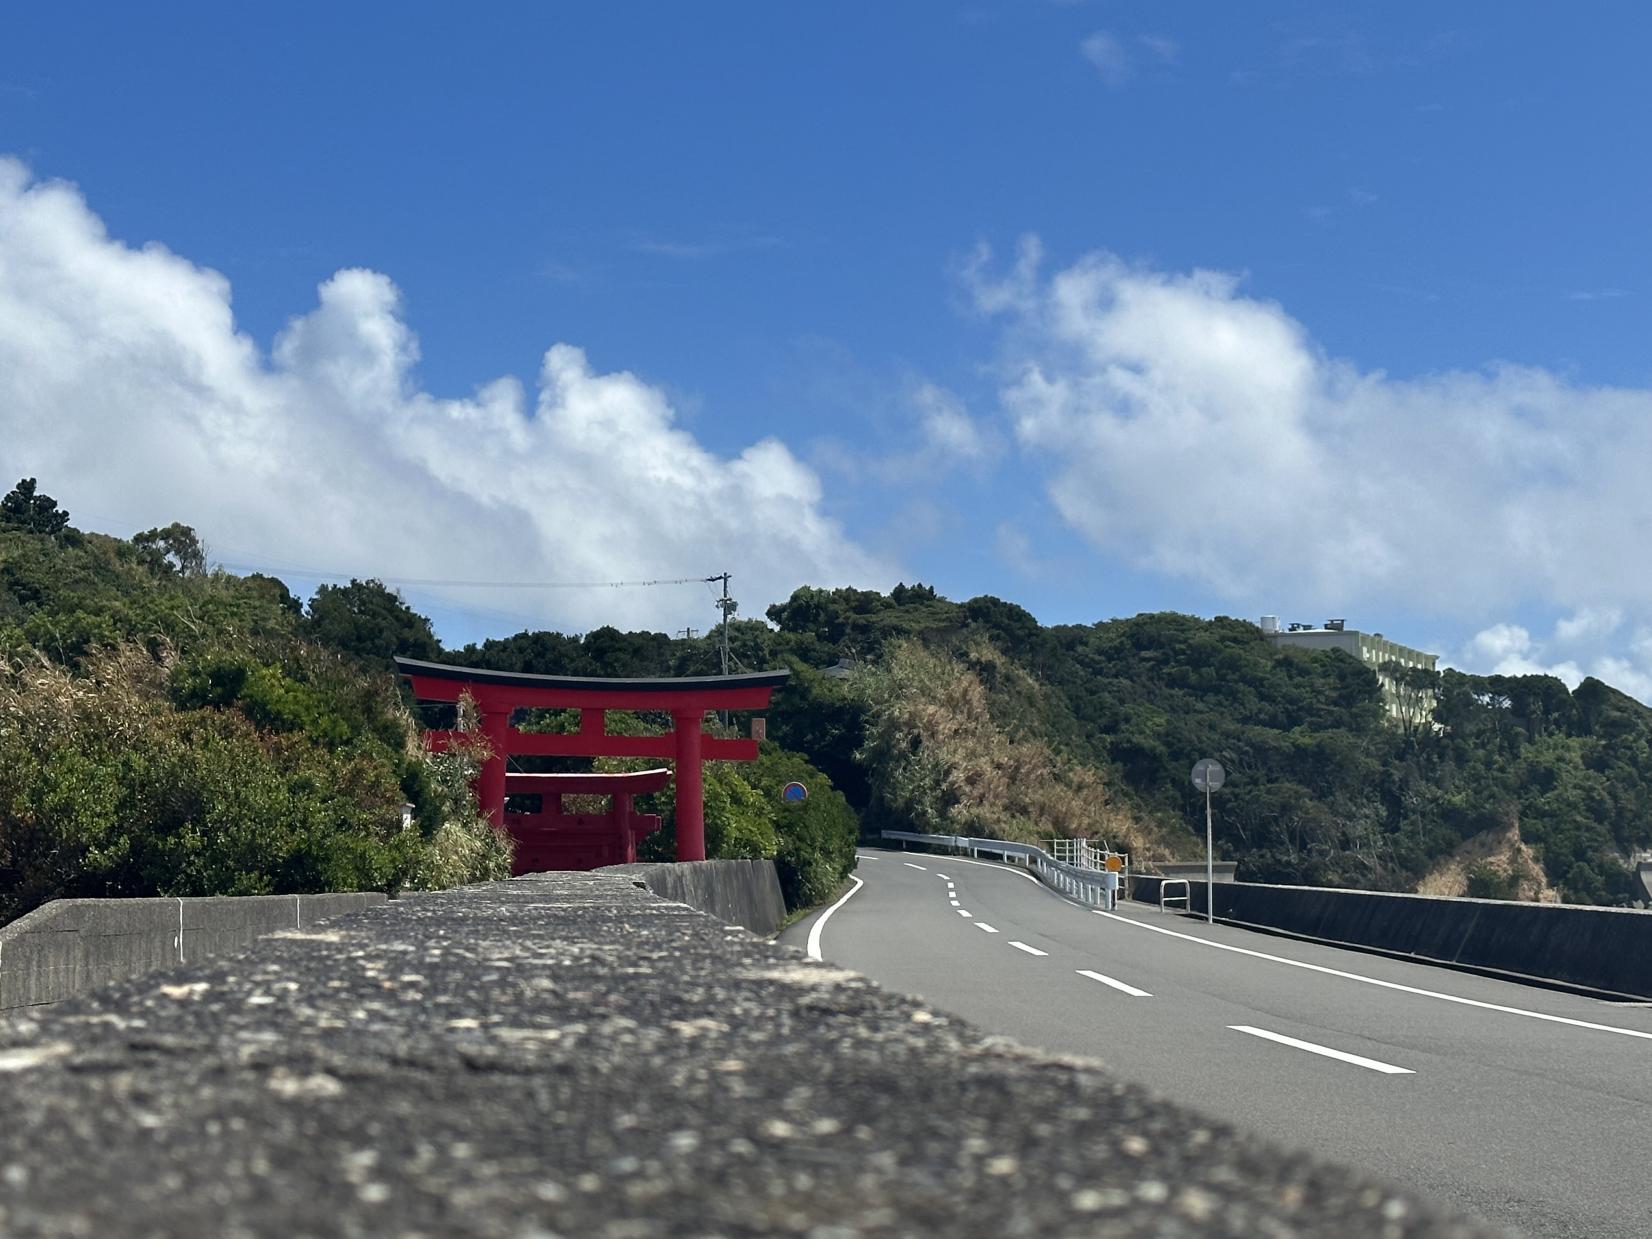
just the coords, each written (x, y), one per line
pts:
(658, 684)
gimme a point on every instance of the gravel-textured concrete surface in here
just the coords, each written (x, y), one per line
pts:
(569, 1055)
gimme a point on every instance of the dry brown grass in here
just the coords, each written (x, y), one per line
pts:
(1503, 851)
(948, 766)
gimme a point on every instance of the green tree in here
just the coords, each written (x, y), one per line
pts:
(172, 550)
(26, 509)
(367, 621)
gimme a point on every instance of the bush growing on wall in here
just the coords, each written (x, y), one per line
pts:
(812, 843)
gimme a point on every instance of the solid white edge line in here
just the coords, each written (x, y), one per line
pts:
(1030, 950)
(1370, 1064)
(820, 921)
(1393, 985)
(989, 864)
(985, 926)
(910, 865)
(1116, 984)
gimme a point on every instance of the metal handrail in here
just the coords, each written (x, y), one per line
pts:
(1186, 896)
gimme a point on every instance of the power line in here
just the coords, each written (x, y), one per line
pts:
(450, 583)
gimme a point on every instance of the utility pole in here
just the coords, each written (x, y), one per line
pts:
(727, 606)
(687, 634)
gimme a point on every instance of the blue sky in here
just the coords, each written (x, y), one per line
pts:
(1337, 309)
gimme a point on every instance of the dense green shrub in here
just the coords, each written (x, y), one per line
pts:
(107, 789)
(811, 842)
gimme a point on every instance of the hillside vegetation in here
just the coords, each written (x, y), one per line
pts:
(168, 728)
(165, 729)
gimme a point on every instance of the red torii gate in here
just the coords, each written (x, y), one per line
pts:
(499, 694)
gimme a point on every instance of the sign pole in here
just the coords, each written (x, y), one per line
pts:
(1207, 777)
(1210, 865)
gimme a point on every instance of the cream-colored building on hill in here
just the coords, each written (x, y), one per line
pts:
(1376, 651)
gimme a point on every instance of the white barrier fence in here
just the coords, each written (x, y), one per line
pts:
(1098, 888)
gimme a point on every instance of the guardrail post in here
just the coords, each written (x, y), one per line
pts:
(1186, 897)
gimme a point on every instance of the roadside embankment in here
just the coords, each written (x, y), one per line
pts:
(69, 946)
(1603, 949)
(569, 1054)
(741, 892)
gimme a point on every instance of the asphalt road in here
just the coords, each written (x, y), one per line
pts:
(1530, 1107)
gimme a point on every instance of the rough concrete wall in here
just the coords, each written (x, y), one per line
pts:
(1599, 948)
(741, 892)
(72, 945)
(566, 1053)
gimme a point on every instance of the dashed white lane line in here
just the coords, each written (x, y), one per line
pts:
(944, 878)
(1030, 950)
(985, 926)
(962, 912)
(1370, 1064)
(1115, 983)
(910, 865)
(954, 903)
(1393, 985)
(820, 922)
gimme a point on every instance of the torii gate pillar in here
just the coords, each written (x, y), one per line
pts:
(691, 821)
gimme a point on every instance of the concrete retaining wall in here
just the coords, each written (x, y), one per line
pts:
(740, 892)
(1222, 870)
(69, 946)
(1608, 949)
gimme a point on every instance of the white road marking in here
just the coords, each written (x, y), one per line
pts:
(820, 922)
(985, 926)
(910, 865)
(954, 903)
(858, 856)
(961, 912)
(1030, 950)
(1371, 1064)
(1118, 985)
(944, 878)
(1394, 985)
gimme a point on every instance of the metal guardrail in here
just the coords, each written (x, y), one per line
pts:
(1082, 854)
(1186, 896)
(1095, 888)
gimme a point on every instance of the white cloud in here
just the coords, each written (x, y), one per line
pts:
(126, 386)
(949, 431)
(1107, 54)
(1577, 647)
(1164, 48)
(1591, 624)
(1193, 429)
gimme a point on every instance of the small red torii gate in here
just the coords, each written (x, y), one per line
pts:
(499, 694)
(553, 839)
